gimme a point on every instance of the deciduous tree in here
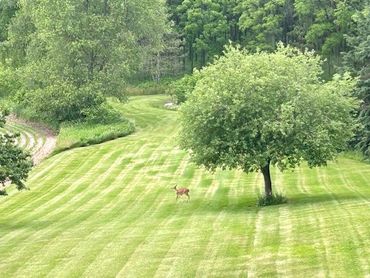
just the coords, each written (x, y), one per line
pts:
(251, 111)
(71, 54)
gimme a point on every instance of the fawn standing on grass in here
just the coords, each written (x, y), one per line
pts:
(181, 191)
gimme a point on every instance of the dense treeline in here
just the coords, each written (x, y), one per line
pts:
(357, 61)
(207, 25)
(61, 59)
(337, 30)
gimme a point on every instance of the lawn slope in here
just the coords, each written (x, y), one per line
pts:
(107, 210)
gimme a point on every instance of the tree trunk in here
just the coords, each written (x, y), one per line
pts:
(106, 7)
(267, 177)
(203, 58)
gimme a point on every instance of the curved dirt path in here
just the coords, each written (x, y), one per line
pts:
(40, 133)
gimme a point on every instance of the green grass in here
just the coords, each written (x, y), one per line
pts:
(108, 211)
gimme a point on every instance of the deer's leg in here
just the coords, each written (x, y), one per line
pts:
(187, 194)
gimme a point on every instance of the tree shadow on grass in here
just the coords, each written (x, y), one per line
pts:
(248, 204)
(212, 206)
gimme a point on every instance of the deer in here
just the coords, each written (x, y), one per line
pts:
(181, 191)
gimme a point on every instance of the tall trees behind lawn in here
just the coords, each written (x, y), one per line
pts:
(69, 55)
(337, 30)
(207, 24)
(357, 60)
(7, 11)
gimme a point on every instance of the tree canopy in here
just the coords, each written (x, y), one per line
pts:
(69, 55)
(250, 111)
(258, 24)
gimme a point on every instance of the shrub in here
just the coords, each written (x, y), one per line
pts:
(103, 114)
(59, 102)
(80, 134)
(147, 88)
(182, 88)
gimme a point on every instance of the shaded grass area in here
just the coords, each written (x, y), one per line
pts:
(108, 210)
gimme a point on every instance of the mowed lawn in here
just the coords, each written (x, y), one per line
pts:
(108, 210)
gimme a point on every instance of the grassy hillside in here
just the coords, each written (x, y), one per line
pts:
(108, 210)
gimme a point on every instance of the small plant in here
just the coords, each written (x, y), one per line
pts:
(270, 200)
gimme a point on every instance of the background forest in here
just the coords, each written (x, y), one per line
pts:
(144, 131)
(60, 60)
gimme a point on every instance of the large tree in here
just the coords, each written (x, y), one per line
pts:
(70, 55)
(250, 111)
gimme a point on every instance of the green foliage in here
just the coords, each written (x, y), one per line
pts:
(60, 101)
(8, 9)
(259, 24)
(249, 110)
(166, 60)
(204, 25)
(271, 200)
(8, 81)
(15, 164)
(148, 88)
(73, 135)
(357, 60)
(71, 55)
(182, 88)
(266, 22)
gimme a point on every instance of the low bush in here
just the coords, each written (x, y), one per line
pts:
(73, 135)
(147, 88)
(270, 200)
(103, 114)
(60, 101)
(180, 89)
